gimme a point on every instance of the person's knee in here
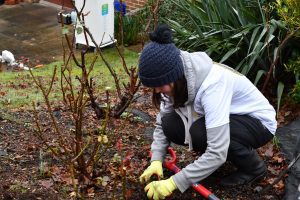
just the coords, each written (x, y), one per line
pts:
(238, 150)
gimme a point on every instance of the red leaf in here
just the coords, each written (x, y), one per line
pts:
(129, 193)
(119, 145)
(128, 156)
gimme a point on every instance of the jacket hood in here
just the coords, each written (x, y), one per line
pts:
(196, 66)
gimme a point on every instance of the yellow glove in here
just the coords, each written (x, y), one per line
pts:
(160, 189)
(154, 168)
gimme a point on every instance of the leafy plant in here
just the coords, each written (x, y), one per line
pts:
(280, 88)
(244, 34)
(132, 27)
(293, 65)
(232, 31)
(255, 37)
(289, 11)
(275, 141)
(295, 93)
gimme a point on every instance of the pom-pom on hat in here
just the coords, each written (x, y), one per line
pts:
(160, 62)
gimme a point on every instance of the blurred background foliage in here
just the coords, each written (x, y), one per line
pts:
(259, 38)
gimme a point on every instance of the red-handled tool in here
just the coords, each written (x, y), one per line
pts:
(171, 165)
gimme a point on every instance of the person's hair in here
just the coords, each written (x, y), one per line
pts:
(180, 94)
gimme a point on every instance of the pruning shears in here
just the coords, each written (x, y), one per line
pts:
(171, 165)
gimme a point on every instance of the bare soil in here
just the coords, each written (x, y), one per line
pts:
(22, 155)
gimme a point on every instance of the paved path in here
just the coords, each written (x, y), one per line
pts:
(31, 30)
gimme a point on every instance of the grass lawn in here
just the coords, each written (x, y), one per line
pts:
(17, 89)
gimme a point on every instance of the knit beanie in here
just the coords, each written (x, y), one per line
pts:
(160, 62)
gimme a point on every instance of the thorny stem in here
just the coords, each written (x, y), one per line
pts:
(72, 52)
(99, 156)
(92, 65)
(62, 70)
(68, 41)
(39, 133)
(131, 88)
(78, 12)
(274, 63)
(123, 59)
(85, 36)
(95, 155)
(69, 82)
(112, 71)
(154, 15)
(82, 150)
(73, 179)
(49, 109)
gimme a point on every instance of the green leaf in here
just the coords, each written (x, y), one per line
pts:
(258, 76)
(229, 53)
(241, 33)
(79, 30)
(280, 88)
(253, 36)
(65, 30)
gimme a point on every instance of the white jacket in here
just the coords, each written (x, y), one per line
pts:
(214, 91)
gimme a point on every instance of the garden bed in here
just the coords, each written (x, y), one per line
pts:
(29, 171)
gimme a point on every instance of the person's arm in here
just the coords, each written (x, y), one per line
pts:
(160, 142)
(215, 101)
(215, 155)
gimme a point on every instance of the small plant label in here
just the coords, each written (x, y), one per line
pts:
(104, 9)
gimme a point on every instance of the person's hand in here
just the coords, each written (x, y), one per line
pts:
(154, 168)
(160, 189)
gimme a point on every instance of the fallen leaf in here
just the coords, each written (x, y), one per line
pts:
(279, 185)
(91, 192)
(73, 194)
(39, 66)
(269, 152)
(278, 159)
(129, 193)
(46, 183)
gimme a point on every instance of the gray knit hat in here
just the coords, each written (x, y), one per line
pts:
(160, 62)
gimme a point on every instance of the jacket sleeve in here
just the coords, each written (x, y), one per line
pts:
(160, 142)
(218, 139)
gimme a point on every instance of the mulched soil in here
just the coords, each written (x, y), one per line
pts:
(29, 171)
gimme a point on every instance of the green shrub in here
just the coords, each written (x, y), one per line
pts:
(245, 34)
(131, 29)
(293, 65)
(234, 32)
(295, 93)
(133, 24)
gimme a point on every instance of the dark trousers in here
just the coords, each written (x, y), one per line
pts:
(246, 135)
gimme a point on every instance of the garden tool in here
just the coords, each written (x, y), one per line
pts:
(171, 165)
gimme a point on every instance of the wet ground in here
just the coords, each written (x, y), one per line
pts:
(31, 30)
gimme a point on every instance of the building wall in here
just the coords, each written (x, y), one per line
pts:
(134, 4)
(65, 3)
(130, 4)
